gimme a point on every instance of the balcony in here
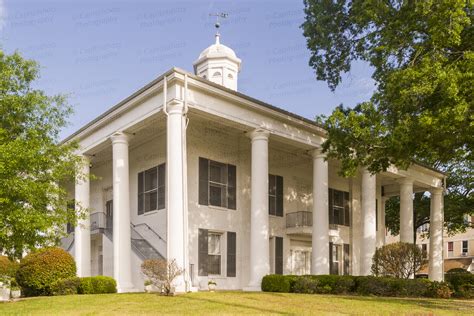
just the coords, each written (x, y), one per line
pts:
(100, 222)
(299, 223)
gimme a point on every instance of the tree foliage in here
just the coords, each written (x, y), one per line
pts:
(399, 260)
(33, 206)
(421, 53)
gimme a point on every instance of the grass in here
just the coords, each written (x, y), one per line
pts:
(204, 303)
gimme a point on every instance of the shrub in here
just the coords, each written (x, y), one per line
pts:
(277, 283)
(439, 290)
(462, 284)
(324, 284)
(382, 286)
(162, 273)
(97, 285)
(8, 267)
(399, 260)
(66, 286)
(39, 270)
(457, 270)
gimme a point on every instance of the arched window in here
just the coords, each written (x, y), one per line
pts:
(216, 74)
(230, 76)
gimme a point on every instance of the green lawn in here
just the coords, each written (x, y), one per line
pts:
(204, 303)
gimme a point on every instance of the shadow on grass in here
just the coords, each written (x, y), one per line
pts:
(235, 305)
(443, 304)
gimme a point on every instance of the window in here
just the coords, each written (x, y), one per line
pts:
(450, 248)
(217, 184)
(275, 195)
(216, 74)
(424, 250)
(300, 262)
(230, 76)
(464, 247)
(151, 189)
(214, 253)
(339, 207)
(334, 258)
(211, 253)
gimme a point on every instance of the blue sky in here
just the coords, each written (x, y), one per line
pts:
(99, 52)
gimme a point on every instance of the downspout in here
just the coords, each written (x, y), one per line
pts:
(187, 273)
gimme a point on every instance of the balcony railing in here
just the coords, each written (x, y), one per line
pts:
(100, 220)
(299, 219)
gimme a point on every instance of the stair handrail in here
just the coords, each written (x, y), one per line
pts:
(140, 235)
(149, 228)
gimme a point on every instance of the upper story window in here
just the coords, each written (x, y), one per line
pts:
(465, 246)
(151, 189)
(275, 195)
(216, 74)
(339, 208)
(230, 76)
(217, 184)
(450, 249)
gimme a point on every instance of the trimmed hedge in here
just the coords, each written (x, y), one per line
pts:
(8, 267)
(462, 283)
(85, 285)
(361, 285)
(97, 285)
(39, 270)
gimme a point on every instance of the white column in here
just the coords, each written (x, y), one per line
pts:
(259, 242)
(382, 226)
(320, 237)
(175, 187)
(436, 235)
(82, 232)
(406, 210)
(368, 222)
(121, 228)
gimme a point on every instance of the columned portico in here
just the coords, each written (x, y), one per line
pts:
(436, 236)
(175, 164)
(82, 248)
(121, 210)
(259, 223)
(406, 210)
(368, 241)
(320, 234)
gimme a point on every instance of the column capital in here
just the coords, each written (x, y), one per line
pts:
(259, 134)
(406, 180)
(436, 191)
(318, 153)
(119, 137)
(175, 106)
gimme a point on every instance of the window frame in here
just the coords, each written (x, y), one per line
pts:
(228, 184)
(343, 210)
(220, 254)
(160, 171)
(466, 248)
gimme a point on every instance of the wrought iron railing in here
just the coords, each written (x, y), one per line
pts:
(98, 220)
(299, 219)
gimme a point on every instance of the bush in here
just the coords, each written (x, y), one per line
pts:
(380, 286)
(277, 283)
(462, 284)
(457, 270)
(97, 285)
(439, 290)
(162, 273)
(399, 260)
(362, 285)
(66, 286)
(39, 270)
(8, 267)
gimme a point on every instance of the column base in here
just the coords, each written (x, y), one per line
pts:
(127, 288)
(252, 288)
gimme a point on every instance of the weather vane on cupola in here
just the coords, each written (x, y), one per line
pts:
(218, 23)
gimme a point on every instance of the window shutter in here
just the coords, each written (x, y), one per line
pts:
(331, 263)
(278, 255)
(231, 254)
(279, 196)
(203, 252)
(141, 199)
(346, 259)
(330, 209)
(231, 187)
(203, 181)
(347, 207)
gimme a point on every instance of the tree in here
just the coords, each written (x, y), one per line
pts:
(161, 273)
(399, 260)
(421, 53)
(33, 163)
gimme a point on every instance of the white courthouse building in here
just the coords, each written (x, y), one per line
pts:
(232, 188)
